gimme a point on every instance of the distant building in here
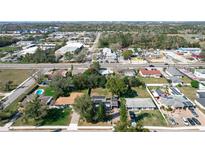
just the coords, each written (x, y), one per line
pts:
(69, 47)
(140, 104)
(30, 50)
(150, 72)
(109, 56)
(105, 71)
(189, 50)
(199, 73)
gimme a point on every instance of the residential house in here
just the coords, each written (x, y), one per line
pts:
(199, 73)
(67, 101)
(105, 71)
(109, 56)
(172, 71)
(128, 72)
(200, 98)
(150, 72)
(140, 104)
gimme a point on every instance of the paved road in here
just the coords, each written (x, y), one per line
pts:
(81, 66)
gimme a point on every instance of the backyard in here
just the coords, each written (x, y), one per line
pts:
(17, 76)
(141, 92)
(101, 91)
(151, 118)
(185, 79)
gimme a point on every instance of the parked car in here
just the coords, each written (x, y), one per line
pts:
(191, 121)
(151, 65)
(133, 116)
(186, 123)
(196, 121)
(194, 112)
(173, 122)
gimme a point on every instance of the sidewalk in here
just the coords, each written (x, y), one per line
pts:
(74, 121)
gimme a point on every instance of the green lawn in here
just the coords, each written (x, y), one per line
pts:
(141, 92)
(61, 118)
(49, 91)
(17, 76)
(151, 118)
(9, 49)
(153, 80)
(189, 92)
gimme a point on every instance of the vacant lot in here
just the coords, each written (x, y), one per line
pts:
(153, 80)
(151, 118)
(189, 92)
(16, 76)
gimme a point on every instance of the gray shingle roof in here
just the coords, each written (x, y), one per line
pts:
(173, 71)
(139, 103)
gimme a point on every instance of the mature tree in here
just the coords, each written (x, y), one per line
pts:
(84, 106)
(127, 54)
(123, 111)
(101, 112)
(116, 85)
(35, 110)
(8, 85)
(95, 66)
(195, 84)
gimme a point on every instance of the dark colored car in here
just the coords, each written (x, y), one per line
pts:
(191, 121)
(132, 116)
(194, 112)
(57, 130)
(196, 121)
(151, 65)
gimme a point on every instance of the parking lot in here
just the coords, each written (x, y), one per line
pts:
(178, 115)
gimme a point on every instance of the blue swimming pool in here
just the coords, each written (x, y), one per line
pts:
(39, 91)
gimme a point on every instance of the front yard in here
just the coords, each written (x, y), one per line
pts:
(151, 118)
(153, 80)
(141, 92)
(55, 118)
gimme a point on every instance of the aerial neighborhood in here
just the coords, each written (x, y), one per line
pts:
(115, 77)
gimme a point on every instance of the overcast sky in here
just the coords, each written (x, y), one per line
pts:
(98, 10)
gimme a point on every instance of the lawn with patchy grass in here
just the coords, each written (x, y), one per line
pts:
(189, 92)
(151, 118)
(17, 76)
(141, 92)
(153, 80)
(185, 79)
(101, 92)
(85, 123)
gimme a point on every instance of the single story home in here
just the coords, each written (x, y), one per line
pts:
(201, 98)
(150, 72)
(128, 72)
(172, 71)
(67, 101)
(105, 71)
(199, 73)
(175, 102)
(140, 104)
(175, 80)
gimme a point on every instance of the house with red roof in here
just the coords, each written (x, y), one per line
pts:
(150, 72)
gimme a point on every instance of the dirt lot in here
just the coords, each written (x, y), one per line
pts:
(180, 113)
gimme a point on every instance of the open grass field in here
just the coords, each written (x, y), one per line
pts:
(189, 92)
(153, 80)
(141, 92)
(17, 76)
(151, 118)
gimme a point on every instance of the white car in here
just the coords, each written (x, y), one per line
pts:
(186, 123)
